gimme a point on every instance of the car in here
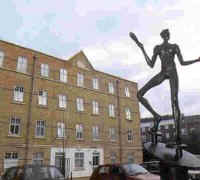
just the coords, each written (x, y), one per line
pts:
(33, 172)
(125, 171)
(152, 166)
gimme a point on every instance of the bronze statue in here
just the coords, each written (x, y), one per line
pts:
(166, 52)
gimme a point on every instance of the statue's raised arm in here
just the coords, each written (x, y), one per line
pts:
(149, 61)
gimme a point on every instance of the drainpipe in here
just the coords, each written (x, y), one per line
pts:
(119, 122)
(29, 118)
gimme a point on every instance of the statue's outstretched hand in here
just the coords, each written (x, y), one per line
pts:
(134, 37)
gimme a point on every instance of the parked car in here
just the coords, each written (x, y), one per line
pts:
(33, 172)
(152, 166)
(127, 171)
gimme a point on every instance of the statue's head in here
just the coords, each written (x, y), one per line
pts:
(165, 34)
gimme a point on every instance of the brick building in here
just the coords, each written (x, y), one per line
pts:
(50, 107)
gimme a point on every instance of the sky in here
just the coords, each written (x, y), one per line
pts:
(101, 29)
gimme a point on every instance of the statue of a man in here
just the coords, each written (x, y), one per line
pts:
(166, 52)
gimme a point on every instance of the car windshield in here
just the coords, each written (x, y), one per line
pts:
(134, 169)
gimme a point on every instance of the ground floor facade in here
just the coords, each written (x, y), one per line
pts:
(79, 161)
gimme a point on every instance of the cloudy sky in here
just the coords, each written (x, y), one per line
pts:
(100, 28)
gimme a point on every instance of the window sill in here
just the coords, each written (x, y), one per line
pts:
(96, 139)
(79, 139)
(61, 109)
(94, 114)
(14, 136)
(129, 119)
(18, 102)
(42, 106)
(39, 137)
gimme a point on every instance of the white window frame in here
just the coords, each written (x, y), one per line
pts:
(112, 134)
(111, 88)
(80, 79)
(45, 70)
(79, 160)
(95, 132)
(42, 98)
(1, 58)
(62, 101)
(128, 113)
(95, 107)
(80, 104)
(95, 83)
(127, 92)
(60, 130)
(63, 75)
(22, 64)
(130, 135)
(15, 124)
(40, 128)
(111, 109)
(19, 93)
(79, 131)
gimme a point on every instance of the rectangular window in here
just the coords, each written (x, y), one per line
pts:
(79, 131)
(80, 104)
(45, 70)
(95, 107)
(22, 64)
(1, 58)
(38, 158)
(14, 126)
(112, 134)
(79, 160)
(95, 159)
(111, 109)
(40, 128)
(11, 155)
(42, 98)
(128, 113)
(19, 94)
(60, 130)
(80, 80)
(127, 93)
(63, 75)
(62, 101)
(95, 132)
(130, 135)
(111, 88)
(95, 83)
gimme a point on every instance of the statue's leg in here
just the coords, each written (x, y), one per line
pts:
(175, 105)
(156, 80)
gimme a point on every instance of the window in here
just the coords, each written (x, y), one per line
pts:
(127, 93)
(130, 135)
(44, 70)
(128, 113)
(80, 80)
(95, 132)
(113, 158)
(110, 88)
(95, 107)
(14, 126)
(112, 134)
(79, 131)
(42, 98)
(40, 128)
(19, 93)
(22, 64)
(63, 75)
(11, 155)
(38, 158)
(59, 160)
(95, 159)
(130, 158)
(80, 104)
(79, 160)
(111, 109)
(95, 83)
(1, 58)
(60, 130)
(62, 101)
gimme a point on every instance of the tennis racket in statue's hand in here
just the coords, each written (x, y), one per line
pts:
(134, 37)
